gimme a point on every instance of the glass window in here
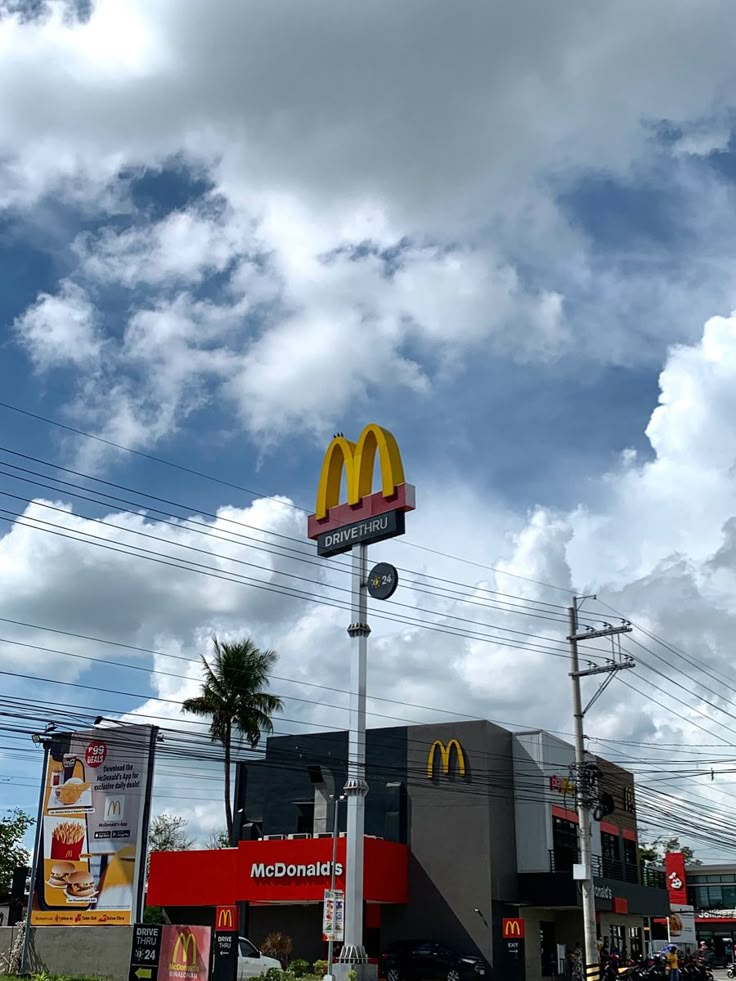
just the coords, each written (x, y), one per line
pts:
(609, 846)
(565, 843)
(715, 896)
(247, 949)
(729, 896)
(631, 856)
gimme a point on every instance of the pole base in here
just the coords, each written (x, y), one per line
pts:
(361, 972)
(353, 954)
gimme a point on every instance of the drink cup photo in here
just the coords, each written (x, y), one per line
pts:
(69, 762)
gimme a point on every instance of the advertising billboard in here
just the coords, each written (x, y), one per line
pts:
(185, 953)
(682, 926)
(91, 839)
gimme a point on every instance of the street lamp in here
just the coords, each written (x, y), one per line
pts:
(337, 799)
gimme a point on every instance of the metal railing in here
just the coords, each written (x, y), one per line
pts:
(606, 868)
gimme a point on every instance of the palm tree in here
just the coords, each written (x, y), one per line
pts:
(234, 700)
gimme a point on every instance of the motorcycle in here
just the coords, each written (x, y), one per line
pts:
(731, 971)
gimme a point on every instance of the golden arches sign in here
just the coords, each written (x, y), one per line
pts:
(358, 460)
(185, 949)
(224, 918)
(444, 751)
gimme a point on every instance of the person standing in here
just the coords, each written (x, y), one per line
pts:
(672, 962)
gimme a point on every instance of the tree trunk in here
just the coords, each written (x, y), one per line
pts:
(228, 805)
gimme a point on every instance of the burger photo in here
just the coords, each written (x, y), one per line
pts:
(59, 874)
(80, 885)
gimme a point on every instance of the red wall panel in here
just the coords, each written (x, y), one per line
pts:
(224, 876)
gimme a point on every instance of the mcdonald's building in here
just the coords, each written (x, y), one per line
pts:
(470, 830)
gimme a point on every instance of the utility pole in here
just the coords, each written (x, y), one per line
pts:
(586, 785)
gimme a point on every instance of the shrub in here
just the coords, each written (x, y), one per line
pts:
(299, 967)
(320, 968)
(278, 945)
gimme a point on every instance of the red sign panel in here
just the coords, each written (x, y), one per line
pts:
(226, 918)
(674, 865)
(513, 928)
(185, 953)
(290, 871)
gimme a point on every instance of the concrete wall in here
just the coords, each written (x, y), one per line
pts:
(104, 951)
(538, 756)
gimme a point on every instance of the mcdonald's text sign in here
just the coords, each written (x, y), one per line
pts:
(365, 516)
(442, 753)
(226, 918)
(512, 928)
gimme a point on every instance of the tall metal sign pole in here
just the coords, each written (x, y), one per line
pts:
(340, 527)
(587, 791)
(356, 788)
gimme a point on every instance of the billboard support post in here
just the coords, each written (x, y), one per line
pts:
(145, 824)
(37, 850)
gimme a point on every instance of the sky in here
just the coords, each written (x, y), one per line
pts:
(505, 232)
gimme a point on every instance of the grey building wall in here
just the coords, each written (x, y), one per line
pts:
(539, 756)
(103, 951)
(462, 839)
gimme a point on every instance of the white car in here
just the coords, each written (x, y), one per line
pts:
(251, 962)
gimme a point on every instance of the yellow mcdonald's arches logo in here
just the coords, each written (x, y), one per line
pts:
(114, 808)
(185, 950)
(511, 928)
(444, 753)
(358, 460)
(224, 918)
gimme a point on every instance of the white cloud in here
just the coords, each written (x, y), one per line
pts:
(440, 153)
(61, 329)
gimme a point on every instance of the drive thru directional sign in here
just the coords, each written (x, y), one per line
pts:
(145, 952)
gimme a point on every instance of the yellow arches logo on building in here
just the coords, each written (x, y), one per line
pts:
(358, 460)
(444, 751)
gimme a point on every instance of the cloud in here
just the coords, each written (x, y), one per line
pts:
(61, 330)
(368, 231)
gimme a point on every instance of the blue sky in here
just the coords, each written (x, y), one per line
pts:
(507, 250)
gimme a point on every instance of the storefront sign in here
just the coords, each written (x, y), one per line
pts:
(225, 944)
(628, 800)
(226, 918)
(333, 915)
(513, 928)
(365, 516)
(674, 865)
(562, 785)
(224, 876)
(279, 870)
(370, 530)
(185, 953)
(603, 892)
(91, 837)
(439, 749)
(145, 952)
